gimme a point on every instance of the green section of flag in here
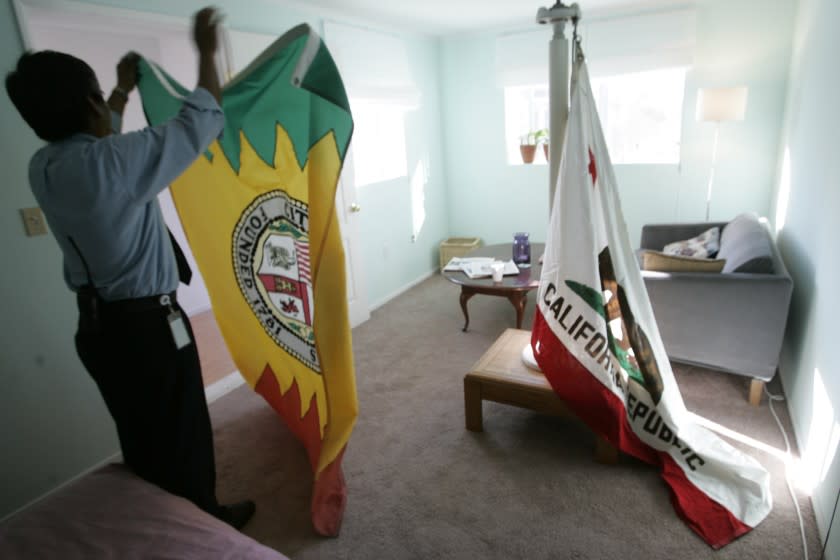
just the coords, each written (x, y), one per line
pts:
(163, 105)
(590, 296)
(324, 80)
(596, 302)
(624, 359)
(264, 97)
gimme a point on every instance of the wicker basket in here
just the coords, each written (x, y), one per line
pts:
(456, 247)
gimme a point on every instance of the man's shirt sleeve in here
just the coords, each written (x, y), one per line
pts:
(116, 122)
(143, 163)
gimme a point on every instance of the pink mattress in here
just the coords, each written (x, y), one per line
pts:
(111, 513)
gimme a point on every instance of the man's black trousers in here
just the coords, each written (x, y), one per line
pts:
(155, 394)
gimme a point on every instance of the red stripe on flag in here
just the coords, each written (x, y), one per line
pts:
(302, 250)
(268, 281)
(283, 285)
(709, 519)
(605, 414)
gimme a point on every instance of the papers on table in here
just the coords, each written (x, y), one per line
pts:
(455, 263)
(479, 267)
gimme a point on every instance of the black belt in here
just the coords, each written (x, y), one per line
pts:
(88, 300)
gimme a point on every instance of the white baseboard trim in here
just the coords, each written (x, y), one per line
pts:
(223, 386)
(402, 290)
(115, 458)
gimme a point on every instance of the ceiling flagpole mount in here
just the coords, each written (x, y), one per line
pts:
(559, 13)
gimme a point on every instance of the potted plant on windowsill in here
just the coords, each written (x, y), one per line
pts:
(542, 137)
(528, 146)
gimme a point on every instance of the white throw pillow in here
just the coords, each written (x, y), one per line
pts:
(703, 246)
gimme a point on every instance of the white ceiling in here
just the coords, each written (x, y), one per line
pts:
(442, 17)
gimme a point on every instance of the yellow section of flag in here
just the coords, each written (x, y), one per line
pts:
(211, 198)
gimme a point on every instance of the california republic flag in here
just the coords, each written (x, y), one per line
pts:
(596, 340)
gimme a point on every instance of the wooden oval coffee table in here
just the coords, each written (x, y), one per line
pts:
(514, 288)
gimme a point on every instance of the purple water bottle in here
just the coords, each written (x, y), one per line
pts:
(521, 250)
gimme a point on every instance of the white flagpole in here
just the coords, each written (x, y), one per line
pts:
(558, 99)
(558, 84)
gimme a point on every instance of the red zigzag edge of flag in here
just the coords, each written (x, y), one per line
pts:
(329, 494)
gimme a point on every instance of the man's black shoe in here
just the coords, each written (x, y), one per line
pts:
(237, 515)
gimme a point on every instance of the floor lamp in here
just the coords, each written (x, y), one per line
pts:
(718, 105)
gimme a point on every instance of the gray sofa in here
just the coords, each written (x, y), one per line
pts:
(733, 321)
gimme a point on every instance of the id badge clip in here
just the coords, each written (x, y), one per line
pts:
(180, 336)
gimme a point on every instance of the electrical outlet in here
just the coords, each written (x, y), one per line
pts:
(33, 221)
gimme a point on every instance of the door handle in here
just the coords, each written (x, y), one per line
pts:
(355, 208)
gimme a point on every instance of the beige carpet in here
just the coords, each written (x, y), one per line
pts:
(421, 486)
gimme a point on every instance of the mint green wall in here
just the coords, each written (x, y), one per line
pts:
(55, 424)
(738, 43)
(487, 198)
(392, 260)
(807, 206)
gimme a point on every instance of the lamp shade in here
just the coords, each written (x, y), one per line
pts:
(722, 104)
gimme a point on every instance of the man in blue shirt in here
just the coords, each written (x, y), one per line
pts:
(98, 190)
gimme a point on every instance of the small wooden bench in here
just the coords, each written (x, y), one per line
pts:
(501, 376)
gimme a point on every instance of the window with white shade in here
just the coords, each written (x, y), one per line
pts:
(526, 110)
(637, 67)
(641, 114)
(379, 152)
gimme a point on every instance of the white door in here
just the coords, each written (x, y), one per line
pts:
(101, 35)
(347, 209)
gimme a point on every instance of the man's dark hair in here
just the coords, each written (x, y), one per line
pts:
(50, 90)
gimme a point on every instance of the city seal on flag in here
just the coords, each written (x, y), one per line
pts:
(271, 263)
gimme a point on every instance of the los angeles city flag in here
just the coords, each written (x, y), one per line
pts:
(596, 340)
(259, 213)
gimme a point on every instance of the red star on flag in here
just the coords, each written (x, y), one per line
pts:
(592, 169)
